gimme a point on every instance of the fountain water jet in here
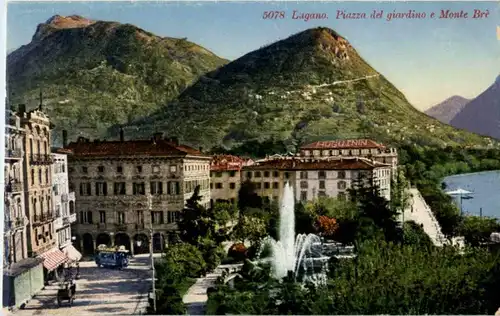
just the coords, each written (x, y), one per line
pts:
(299, 254)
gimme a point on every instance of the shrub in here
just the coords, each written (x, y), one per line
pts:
(238, 251)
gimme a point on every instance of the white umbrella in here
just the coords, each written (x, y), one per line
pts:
(461, 193)
(458, 192)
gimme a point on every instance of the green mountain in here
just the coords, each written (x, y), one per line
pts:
(309, 86)
(94, 74)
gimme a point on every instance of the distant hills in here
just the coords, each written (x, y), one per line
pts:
(94, 74)
(446, 110)
(482, 114)
(97, 76)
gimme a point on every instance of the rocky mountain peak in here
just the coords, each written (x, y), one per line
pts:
(58, 22)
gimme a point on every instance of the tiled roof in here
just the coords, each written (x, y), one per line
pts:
(343, 144)
(227, 163)
(66, 151)
(316, 164)
(158, 147)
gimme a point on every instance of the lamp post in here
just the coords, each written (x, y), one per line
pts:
(150, 206)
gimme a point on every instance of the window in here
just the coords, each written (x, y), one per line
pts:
(276, 185)
(232, 200)
(102, 217)
(40, 176)
(156, 169)
(266, 174)
(322, 184)
(258, 185)
(119, 169)
(120, 188)
(218, 185)
(232, 174)
(287, 175)
(267, 185)
(218, 174)
(173, 168)
(86, 217)
(100, 169)
(121, 217)
(173, 216)
(55, 189)
(101, 188)
(211, 185)
(139, 188)
(46, 175)
(232, 185)
(32, 177)
(321, 174)
(303, 174)
(156, 187)
(173, 187)
(303, 195)
(140, 217)
(257, 174)
(157, 217)
(85, 189)
(341, 175)
(321, 193)
(249, 175)
(85, 170)
(303, 184)
(341, 185)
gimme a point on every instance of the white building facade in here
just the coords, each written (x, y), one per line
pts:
(62, 199)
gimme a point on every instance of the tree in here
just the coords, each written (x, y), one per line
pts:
(247, 198)
(477, 230)
(250, 228)
(192, 224)
(326, 226)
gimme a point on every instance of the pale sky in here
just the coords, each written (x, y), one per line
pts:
(429, 60)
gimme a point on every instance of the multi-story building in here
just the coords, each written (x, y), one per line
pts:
(225, 174)
(42, 239)
(313, 178)
(64, 203)
(15, 240)
(351, 148)
(125, 188)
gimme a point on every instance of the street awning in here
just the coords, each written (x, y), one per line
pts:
(72, 253)
(53, 258)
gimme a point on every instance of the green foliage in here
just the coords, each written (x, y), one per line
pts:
(425, 167)
(405, 278)
(414, 235)
(477, 230)
(181, 260)
(251, 228)
(102, 75)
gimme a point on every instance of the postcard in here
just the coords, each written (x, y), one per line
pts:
(254, 157)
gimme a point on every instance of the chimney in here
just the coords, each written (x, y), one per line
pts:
(201, 149)
(122, 135)
(65, 138)
(22, 109)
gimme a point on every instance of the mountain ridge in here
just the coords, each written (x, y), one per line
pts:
(446, 110)
(94, 74)
(482, 114)
(309, 85)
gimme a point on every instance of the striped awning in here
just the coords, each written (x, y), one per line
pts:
(53, 258)
(72, 253)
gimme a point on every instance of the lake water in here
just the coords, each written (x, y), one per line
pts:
(486, 192)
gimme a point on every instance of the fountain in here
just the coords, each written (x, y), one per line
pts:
(300, 255)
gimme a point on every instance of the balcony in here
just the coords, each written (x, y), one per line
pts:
(41, 159)
(69, 219)
(13, 153)
(58, 223)
(39, 219)
(121, 227)
(102, 225)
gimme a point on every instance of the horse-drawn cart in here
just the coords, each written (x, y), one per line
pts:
(66, 292)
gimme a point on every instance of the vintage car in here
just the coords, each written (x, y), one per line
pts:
(112, 258)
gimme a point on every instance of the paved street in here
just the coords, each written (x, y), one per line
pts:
(99, 290)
